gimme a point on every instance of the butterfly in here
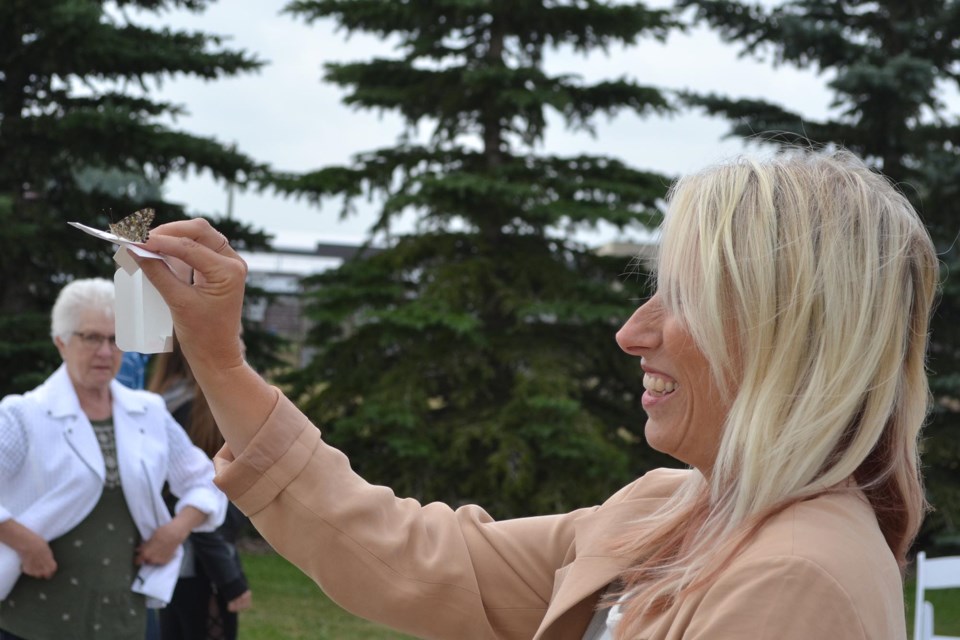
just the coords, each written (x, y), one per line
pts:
(135, 227)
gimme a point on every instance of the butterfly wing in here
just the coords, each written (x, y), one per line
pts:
(135, 227)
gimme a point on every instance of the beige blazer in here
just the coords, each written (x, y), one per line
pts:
(820, 570)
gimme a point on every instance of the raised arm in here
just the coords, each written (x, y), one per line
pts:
(206, 317)
(424, 569)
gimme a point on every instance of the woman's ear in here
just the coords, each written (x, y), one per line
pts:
(61, 346)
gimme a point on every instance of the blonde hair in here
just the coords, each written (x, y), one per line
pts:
(172, 368)
(807, 281)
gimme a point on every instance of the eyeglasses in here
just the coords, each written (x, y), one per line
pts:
(94, 340)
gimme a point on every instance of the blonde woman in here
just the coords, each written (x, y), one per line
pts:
(783, 361)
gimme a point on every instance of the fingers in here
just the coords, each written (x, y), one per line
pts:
(44, 568)
(223, 245)
(203, 287)
(197, 254)
(192, 244)
(198, 230)
(240, 603)
(37, 560)
(167, 282)
(183, 271)
(160, 548)
(45, 573)
(194, 253)
(152, 555)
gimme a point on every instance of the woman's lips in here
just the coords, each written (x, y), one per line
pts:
(651, 399)
(658, 387)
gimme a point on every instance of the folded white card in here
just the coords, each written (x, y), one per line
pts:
(143, 320)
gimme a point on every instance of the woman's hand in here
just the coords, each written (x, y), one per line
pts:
(206, 312)
(36, 558)
(206, 319)
(241, 602)
(163, 544)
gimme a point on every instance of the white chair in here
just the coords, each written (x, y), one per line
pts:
(932, 573)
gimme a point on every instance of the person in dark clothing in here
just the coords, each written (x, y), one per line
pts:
(212, 588)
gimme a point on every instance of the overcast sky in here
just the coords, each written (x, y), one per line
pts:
(286, 116)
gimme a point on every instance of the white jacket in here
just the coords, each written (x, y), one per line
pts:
(52, 471)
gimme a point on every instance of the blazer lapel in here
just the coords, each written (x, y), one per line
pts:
(143, 497)
(595, 567)
(64, 409)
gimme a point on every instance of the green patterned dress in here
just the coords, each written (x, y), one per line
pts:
(89, 597)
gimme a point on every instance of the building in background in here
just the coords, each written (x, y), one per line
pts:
(280, 273)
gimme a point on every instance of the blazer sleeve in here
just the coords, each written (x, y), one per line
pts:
(777, 598)
(13, 447)
(426, 570)
(190, 475)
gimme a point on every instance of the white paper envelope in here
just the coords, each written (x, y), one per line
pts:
(143, 320)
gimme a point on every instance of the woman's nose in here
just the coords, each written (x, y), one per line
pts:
(641, 332)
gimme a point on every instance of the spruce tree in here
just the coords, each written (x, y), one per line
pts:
(474, 360)
(889, 64)
(82, 139)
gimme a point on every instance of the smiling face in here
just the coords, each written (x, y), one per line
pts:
(685, 408)
(91, 368)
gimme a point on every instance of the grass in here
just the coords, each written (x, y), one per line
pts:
(289, 606)
(946, 610)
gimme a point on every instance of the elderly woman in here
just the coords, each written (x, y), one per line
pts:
(85, 536)
(782, 359)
